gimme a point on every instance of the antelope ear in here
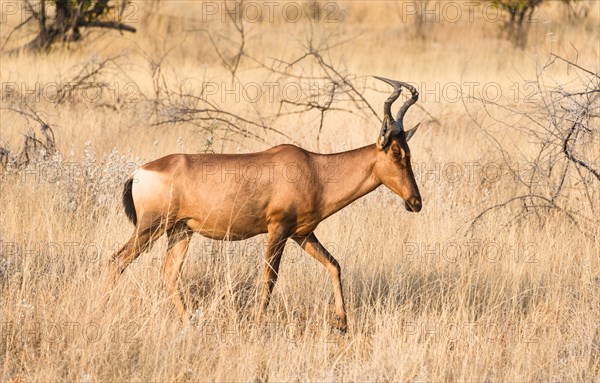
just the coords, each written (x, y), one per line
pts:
(384, 135)
(411, 132)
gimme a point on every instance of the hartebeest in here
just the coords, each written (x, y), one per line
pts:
(285, 192)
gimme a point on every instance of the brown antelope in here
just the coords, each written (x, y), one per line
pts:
(285, 192)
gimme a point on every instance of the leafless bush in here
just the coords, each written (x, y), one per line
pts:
(35, 148)
(39, 150)
(323, 85)
(337, 89)
(63, 20)
(83, 185)
(325, 89)
(560, 120)
(83, 82)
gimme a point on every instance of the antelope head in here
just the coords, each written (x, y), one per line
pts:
(393, 167)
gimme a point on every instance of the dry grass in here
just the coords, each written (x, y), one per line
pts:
(426, 301)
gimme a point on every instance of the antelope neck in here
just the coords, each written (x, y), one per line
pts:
(349, 176)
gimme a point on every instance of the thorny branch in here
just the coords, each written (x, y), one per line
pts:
(561, 121)
(337, 90)
(34, 148)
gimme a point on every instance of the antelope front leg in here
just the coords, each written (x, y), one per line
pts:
(312, 246)
(275, 246)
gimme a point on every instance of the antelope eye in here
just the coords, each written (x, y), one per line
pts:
(397, 152)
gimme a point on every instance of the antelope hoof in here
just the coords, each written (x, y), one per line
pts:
(341, 325)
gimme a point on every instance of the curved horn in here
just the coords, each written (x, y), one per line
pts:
(397, 89)
(387, 105)
(388, 125)
(407, 104)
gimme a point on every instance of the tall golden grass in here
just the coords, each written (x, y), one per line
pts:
(427, 299)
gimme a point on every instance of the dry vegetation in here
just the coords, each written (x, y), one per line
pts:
(429, 297)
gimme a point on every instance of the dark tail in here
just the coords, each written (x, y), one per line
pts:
(128, 201)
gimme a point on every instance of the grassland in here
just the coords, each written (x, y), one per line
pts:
(428, 298)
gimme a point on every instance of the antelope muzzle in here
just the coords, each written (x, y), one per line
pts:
(413, 204)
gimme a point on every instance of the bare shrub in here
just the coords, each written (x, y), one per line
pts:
(82, 83)
(63, 20)
(560, 120)
(35, 148)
